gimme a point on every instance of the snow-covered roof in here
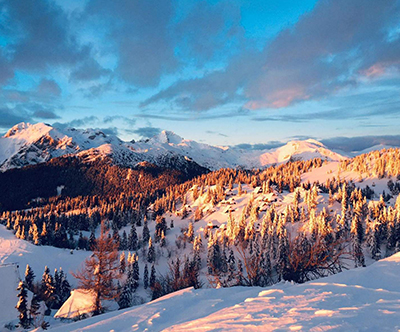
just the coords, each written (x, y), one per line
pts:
(81, 302)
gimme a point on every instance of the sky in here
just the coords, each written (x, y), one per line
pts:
(248, 73)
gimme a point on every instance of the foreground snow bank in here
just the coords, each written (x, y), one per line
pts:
(360, 299)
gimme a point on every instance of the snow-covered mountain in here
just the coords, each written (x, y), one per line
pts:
(28, 144)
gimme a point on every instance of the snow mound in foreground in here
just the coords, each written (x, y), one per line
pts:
(359, 299)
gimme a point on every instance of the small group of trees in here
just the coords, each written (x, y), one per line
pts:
(50, 291)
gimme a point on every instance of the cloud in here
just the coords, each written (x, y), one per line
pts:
(264, 146)
(327, 50)
(48, 87)
(96, 90)
(209, 31)
(354, 144)
(88, 71)
(40, 35)
(9, 117)
(199, 116)
(138, 30)
(129, 121)
(6, 73)
(40, 111)
(82, 122)
(146, 132)
(216, 133)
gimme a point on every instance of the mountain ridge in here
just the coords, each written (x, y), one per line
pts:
(28, 144)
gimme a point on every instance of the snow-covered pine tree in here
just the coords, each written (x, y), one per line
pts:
(151, 254)
(163, 241)
(123, 245)
(146, 232)
(92, 241)
(65, 289)
(22, 306)
(125, 299)
(34, 310)
(29, 278)
(231, 266)
(133, 239)
(152, 280)
(146, 277)
(122, 263)
(190, 232)
(135, 271)
(47, 288)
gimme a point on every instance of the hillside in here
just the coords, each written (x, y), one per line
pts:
(297, 221)
(364, 299)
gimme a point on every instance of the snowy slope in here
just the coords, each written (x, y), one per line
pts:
(15, 252)
(364, 299)
(9, 277)
(27, 144)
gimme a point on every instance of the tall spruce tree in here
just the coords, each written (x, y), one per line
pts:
(22, 306)
(151, 254)
(29, 278)
(133, 239)
(146, 277)
(146, 232)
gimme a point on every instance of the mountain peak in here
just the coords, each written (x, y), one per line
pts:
(169, 137)
(23, 128)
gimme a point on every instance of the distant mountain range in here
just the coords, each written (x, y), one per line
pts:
(30, 144)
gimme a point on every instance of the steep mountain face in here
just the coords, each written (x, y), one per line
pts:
(27, 144)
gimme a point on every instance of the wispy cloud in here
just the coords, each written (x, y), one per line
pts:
(354, 144)
(145, 132)
(328, 49)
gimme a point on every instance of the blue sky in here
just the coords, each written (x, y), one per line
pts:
(221, 72)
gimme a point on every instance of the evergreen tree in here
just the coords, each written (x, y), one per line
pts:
(146, 232)
(358, 253)
(125, 299)
(214, 261)
(123, 245)
(161, 227)
(282, 255)
(152, 277)
(122, 263)
(65, 287)
(22, 305)
(135, 269)
(163, 241)
(231, 266)
(151, 254)
(34, 310)
(29, 278)
(133, 239)
(92, 241)
(132, 280)
(146, 277)
(190, 232)
(47, 288)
